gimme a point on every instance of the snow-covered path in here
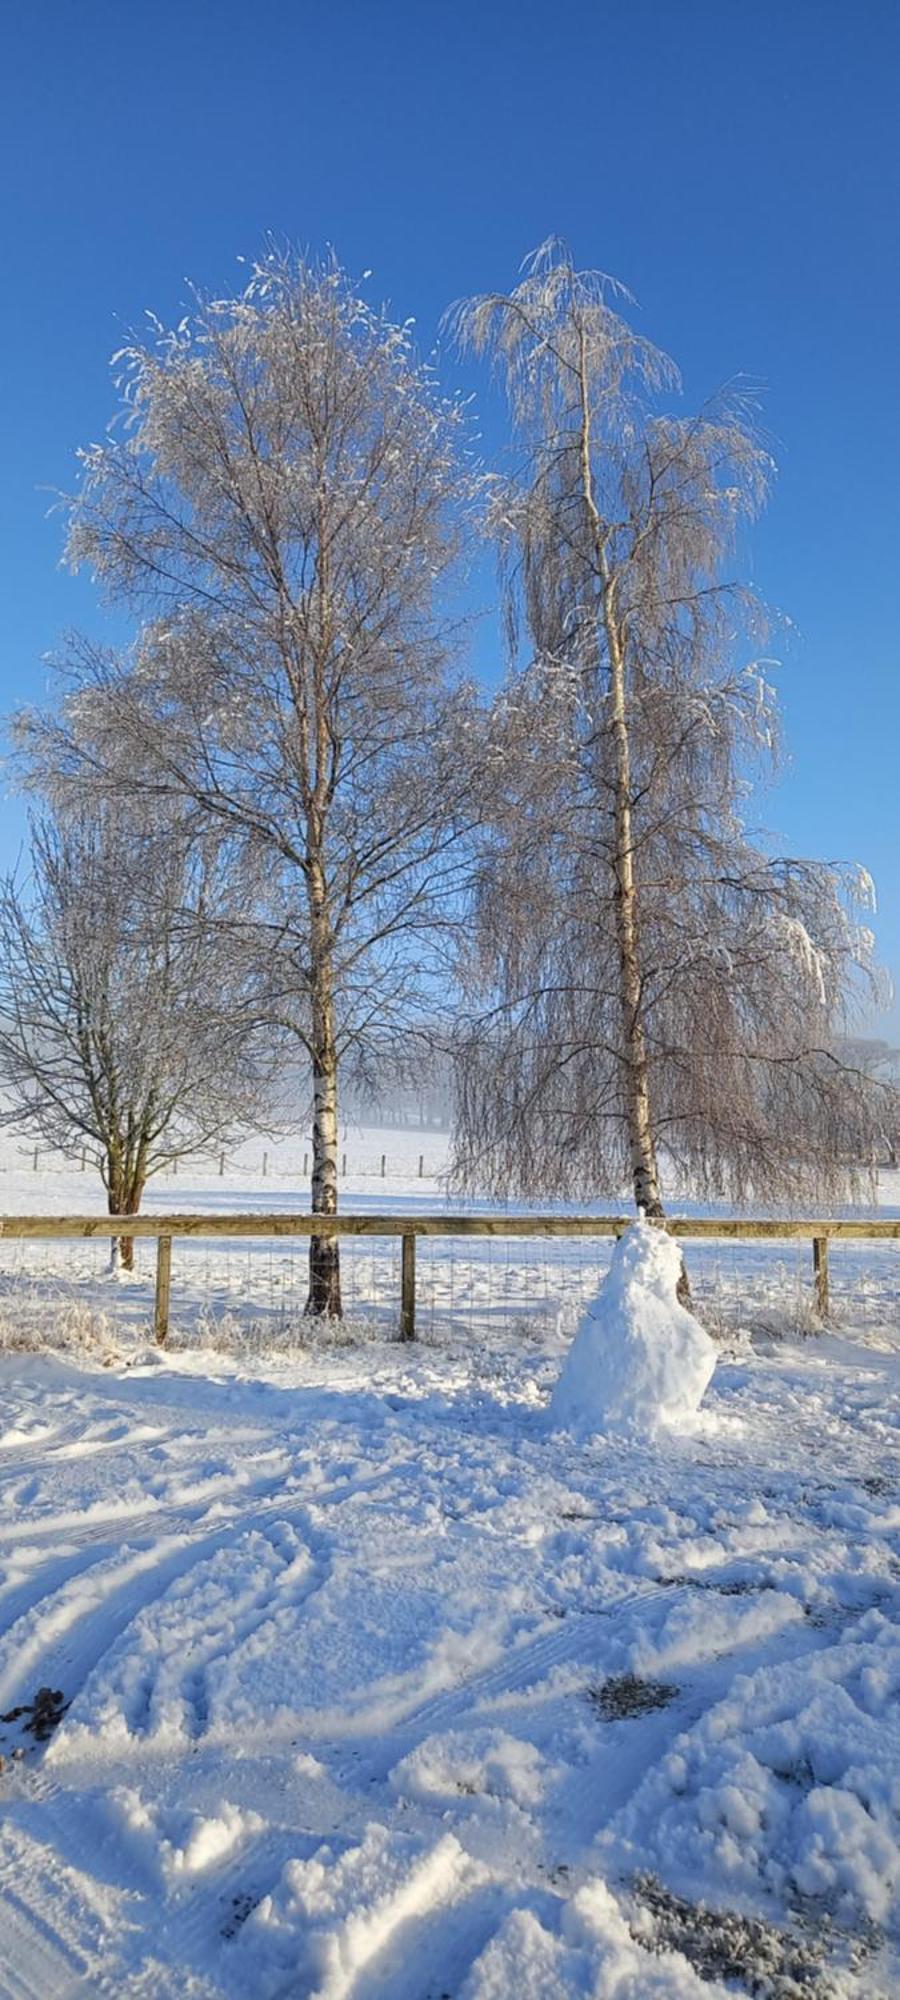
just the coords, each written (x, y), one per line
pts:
(374, 1688)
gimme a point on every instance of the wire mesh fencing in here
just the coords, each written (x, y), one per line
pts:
(66, 1295)
(249, 1294)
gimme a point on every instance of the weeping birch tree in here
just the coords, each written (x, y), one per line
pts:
(280, 499)
(647, 978)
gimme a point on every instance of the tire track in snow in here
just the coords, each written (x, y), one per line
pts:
(163, 1537)
(53, 1946)
(201, 1653)
(100, 1516)
(62, 1637)
(198, 1927)
(51, 1941)
(95, 1544)
(55, 1966)
(427, 1954)
(83, 1440)
(494, 1696)
(514, 1674)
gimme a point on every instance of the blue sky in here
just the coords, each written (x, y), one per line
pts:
(736, 165)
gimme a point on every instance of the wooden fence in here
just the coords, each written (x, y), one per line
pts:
(167, 1228)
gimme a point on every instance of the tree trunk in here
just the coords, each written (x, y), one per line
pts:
(636, 1066)
(324, 1298)
(644, 1169)
(324, 1255)
(644, 1172)
(123, 1199)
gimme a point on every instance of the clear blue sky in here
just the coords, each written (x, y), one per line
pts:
(737, 164)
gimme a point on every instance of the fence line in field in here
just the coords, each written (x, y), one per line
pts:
(377, 1167)
(167, 1228)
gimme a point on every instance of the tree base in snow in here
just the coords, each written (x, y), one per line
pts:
(324, 1298)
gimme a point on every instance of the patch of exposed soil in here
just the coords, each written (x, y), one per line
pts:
(625, 1695)
(768, 1963)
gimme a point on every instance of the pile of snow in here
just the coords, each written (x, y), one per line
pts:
(481, 1763)
(787, 1787)
(343, 1912)
(174, 1843)
(639, 1359)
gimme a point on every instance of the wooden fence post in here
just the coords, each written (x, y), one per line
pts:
(421, 1166)
(383, 1160)
(408, 1286)
(820, 1275)
(163, 1287)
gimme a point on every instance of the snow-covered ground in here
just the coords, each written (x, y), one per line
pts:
(366, 1682)
(377, 1687)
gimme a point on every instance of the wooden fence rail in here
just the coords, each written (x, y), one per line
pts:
(166, 1228)
(287, 1223)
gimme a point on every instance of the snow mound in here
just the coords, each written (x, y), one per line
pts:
(787, 1787)
(594, 1953)
(176, 1842)
(639, 1359)
(481, 1762)
(333, 1915)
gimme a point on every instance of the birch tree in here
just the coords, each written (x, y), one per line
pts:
(281, 501)
(120, 1008)
(647, 975)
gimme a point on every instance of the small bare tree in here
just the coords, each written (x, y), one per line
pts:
(649, 977)
(281, 503)
(120, 1011)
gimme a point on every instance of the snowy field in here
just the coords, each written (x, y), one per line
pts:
(359, 1681)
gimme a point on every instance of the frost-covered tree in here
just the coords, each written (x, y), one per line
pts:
(648, 978)
(121, 1006)
(280, 501)
(880, 1061)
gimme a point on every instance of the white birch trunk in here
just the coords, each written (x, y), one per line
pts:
(324, 1296)
(644, 1172)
